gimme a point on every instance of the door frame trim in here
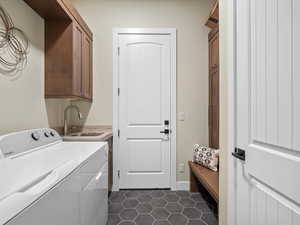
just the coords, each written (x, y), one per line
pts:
(228, 34)
(165, 31)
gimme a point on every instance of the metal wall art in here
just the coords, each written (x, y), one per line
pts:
(13, 46)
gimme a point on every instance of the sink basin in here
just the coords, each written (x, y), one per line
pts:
(90, 134)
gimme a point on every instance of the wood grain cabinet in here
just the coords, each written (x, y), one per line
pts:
(214, 86)
(214, 89)
(82, 66)
(213, 19)
(87, 74)
(68, 50)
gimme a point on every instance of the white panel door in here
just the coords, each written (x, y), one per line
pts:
(268, 111)
(144, 106)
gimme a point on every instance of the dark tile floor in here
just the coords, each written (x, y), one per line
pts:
(161, 207)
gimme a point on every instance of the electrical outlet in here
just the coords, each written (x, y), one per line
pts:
(181, 168)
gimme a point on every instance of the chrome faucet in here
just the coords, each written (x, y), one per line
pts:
(66, 114)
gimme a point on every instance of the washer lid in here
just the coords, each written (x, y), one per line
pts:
(15, 202)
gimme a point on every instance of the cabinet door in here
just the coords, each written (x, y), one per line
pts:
(214, 91)
(77, 63)
(87, 68)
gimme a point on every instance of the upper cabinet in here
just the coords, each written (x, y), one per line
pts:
(213, 19)
(68, 50)
(214, 79)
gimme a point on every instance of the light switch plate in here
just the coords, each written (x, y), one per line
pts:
(181, 116)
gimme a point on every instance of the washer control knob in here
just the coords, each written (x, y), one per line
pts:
(35, 136)
(47, 134)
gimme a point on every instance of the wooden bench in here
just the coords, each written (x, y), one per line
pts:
(208, 178)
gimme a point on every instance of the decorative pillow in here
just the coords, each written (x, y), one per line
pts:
(207, 157)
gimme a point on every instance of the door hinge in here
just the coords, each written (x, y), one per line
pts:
(119, 133)
(118, 51)
(118, 91)
(119, 174)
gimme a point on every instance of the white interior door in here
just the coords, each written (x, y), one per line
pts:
(144, 106)
(268, 112)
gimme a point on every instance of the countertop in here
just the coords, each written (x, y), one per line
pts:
(77, 131)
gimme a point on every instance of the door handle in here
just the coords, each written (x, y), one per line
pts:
(239, 153)
(166, 131)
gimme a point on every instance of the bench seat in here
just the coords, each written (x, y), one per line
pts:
(208, 178)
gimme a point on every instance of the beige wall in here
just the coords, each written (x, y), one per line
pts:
(188, 16)
(22, 104)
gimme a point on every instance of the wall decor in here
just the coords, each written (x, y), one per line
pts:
(14, 46)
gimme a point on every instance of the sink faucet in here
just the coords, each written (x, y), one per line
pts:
(66, 114)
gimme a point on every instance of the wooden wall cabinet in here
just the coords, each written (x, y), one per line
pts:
(213, 19)
(214, 88)
(82, 63)
(87, 70)
(68, 50)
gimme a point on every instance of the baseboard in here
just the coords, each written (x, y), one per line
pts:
(182, 185)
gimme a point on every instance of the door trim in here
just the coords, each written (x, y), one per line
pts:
(228, 62)
(164, 31)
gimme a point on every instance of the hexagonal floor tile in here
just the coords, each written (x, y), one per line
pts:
(196, 222)
(177, 219)
(204, 207)
(127, 223)
(128, 214)
(210, 219)
(144, 208)
(116, 193)
(192, 213)
(162, 222)
(187, 202)
(158, 202)
(132, 194)
(144, 220)
(113, 219)
(171, 198)
(160, 213)
(115, 208)
(197, 197)
(117, 197)
(144, 198)
(145, 192)
(157, 194)
(174, 207)
(183, 194)
(130, 203)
